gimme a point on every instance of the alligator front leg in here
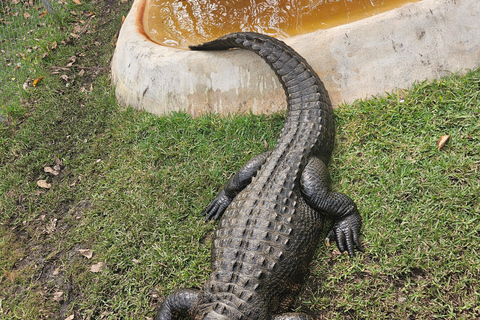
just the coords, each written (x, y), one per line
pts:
(234, 185)
(316, 189)
(177, 304)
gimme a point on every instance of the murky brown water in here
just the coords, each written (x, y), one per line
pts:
(179, 23)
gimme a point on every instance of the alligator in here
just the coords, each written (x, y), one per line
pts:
(272, 211)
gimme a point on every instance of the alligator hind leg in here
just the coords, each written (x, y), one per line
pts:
(316, 189)
(234, 185)
(178, 304)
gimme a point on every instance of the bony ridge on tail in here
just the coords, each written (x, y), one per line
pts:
(273, 209)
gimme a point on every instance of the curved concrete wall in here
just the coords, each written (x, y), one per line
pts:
(423, 40)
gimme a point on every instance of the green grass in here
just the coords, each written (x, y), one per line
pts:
(132, 186)
(28, 34)
(420, 205)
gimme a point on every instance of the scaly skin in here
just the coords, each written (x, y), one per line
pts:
(273, 209)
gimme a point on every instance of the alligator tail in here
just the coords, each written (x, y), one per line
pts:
(307, 98)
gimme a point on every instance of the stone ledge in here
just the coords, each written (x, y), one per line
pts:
(423, 40)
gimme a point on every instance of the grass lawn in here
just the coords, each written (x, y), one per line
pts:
(117, 224)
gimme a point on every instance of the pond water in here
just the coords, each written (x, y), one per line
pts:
(179, 23)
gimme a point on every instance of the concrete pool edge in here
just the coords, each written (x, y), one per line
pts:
(423, 40)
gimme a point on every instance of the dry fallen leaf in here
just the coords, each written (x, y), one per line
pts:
(87, 253)
(442, 141)
(71, 317)
(58, 161)
(82, 72)
(52, 170)
(44, 184)
(36, 81)
(54, 45)
(96, 267)
(58, 296)
(77, 1)
(71, 61)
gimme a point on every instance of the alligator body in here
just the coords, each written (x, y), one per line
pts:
(273, 209)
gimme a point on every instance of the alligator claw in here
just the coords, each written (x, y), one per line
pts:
(346, 233)
(217, 207)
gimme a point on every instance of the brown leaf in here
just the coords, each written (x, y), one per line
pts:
(77, 1)
(71, 61)
(54, 45)
(70, 317)
(51, 170)
(87, 253)
(96, 267)
(58, 296)
(44, 184)
(442, 141)
(82, 72)
(58, 161)
(37, 81)
(64, 77)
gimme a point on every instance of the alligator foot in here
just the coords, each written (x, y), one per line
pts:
(316, 189)
(345, 233)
